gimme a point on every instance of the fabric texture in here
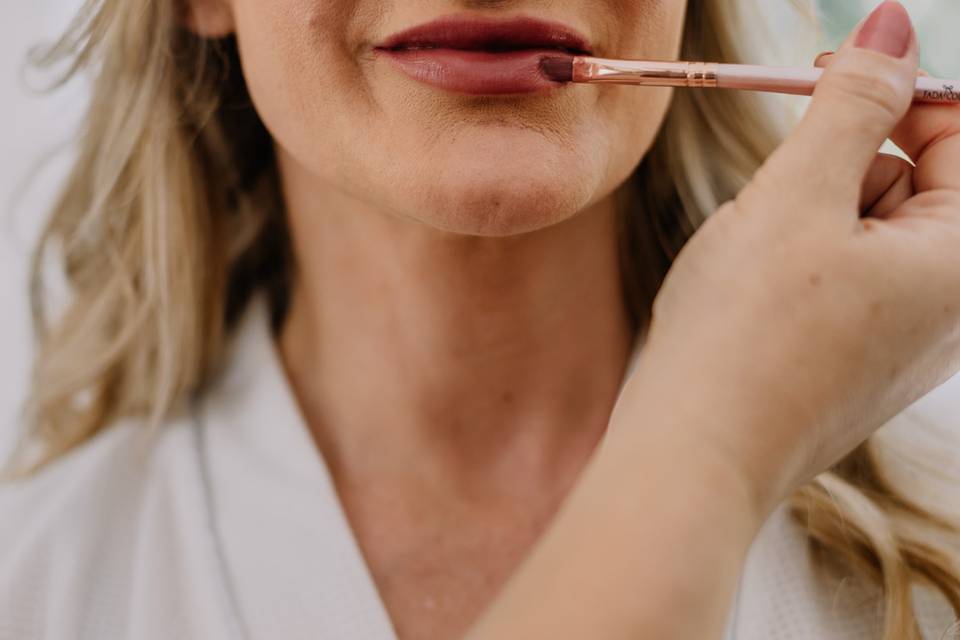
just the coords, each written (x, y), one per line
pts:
(226, 524)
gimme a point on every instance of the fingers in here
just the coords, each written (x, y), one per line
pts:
(889, 183)
(930, 135)
(823, 60)
(865, 91)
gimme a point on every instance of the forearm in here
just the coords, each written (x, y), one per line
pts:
(649, 544)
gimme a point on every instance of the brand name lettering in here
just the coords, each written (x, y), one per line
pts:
(947, 93)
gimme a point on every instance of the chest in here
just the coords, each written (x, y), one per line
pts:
(436, 571)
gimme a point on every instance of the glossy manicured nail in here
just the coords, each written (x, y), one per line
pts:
(887, 30)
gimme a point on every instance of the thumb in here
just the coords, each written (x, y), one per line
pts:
(867, 89)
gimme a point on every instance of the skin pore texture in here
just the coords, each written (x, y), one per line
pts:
(458, 266)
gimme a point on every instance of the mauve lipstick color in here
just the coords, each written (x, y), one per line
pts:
(481, 56)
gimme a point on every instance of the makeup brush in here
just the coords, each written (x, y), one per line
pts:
(713, 75)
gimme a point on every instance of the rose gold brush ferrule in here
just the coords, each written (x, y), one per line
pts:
(645, 72)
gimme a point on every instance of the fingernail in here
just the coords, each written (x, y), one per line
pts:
(887, 30)
(821, 56)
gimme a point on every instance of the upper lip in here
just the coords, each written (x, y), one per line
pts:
(476, 32)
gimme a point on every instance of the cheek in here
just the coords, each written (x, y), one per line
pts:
(298, 74)
(634, 116)
(651, 30)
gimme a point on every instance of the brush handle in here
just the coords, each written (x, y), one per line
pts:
(803, 80)
(709, 75)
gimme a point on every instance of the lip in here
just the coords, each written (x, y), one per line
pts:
(482, 56)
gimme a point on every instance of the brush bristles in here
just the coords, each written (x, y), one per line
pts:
(558, 69)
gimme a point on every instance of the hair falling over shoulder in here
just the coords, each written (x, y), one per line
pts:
(171, 218)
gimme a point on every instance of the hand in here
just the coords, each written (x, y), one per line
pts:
(825, 298)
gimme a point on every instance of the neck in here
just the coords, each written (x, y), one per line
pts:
(406, 343)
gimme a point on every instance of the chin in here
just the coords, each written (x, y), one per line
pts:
(489, 202)
(501, 187)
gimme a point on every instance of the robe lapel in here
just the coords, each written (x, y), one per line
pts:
(292, 561)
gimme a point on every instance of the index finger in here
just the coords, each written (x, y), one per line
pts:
(930, 136)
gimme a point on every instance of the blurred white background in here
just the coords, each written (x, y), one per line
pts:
(33, 126)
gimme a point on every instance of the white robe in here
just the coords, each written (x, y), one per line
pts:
(231, 528)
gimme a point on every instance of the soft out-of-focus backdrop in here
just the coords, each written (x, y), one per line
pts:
(937, 22)
(34, 126)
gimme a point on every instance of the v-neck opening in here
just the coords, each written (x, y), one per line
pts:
(258, 433)
(285, 463)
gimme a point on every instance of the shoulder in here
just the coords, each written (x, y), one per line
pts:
(88, 485)
(854, 606)
(71, 533)
(788, 593)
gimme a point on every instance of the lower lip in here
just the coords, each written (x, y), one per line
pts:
(475, 72)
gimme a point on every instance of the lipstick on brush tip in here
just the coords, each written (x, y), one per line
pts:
(558, 69)
(713, 75)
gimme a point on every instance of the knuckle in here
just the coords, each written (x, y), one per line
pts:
(761, 191)
(940, 204)
(941, 209)
(771, 193)
(951, 202)
(727, 209)
(870, 92)
(901, 173)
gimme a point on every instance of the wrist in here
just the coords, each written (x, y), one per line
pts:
(705, 428)
(691, 472)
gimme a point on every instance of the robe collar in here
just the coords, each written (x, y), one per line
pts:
(291, 561)
(292, 564)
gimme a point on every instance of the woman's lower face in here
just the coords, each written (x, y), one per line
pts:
(351, 122)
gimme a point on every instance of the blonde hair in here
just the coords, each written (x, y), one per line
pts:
(171, 219)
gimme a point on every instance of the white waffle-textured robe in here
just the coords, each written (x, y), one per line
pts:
(233, 529)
